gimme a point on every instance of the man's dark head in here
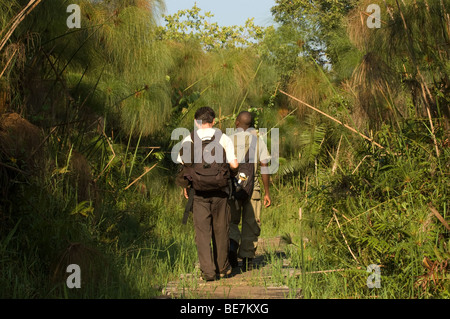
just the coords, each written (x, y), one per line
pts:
(244, 120)
(205, 115)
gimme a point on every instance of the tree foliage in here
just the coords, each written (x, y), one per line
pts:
(107, 96)
(318, 19)
(192, 24)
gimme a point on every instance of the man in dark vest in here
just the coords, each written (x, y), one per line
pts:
(250, 150)
(208, 158)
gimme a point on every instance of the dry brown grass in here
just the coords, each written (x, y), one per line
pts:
(374, 84)
(92, 264)
(4, 96)
(357, 28)
(81, 176)
(20, 142)
(309, 85)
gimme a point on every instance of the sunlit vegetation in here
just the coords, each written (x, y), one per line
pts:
(86, 116)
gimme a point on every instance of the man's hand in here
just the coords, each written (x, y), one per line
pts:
(267, 200)
(185, 193)
(234, 165)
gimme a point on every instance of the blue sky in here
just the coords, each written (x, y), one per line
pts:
(228, 12)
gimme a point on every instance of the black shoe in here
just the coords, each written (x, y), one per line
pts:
(225, 273)
(232, 254)
(208, 278)
(247, 264)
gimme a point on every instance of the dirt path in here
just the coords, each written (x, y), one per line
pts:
(252, 284)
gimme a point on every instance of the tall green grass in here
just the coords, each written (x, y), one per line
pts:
(384, 215)
(365, 206)
(382, 209)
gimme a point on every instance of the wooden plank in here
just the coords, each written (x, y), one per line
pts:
(233, 292)
(269, 244)
(253, 284)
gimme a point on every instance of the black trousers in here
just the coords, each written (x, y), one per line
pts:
(211, 214)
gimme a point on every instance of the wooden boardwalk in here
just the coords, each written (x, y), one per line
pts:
(252, 284)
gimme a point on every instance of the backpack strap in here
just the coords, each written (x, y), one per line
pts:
(252, 145)
(189, 205)
(195, 135)
(217, 134)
